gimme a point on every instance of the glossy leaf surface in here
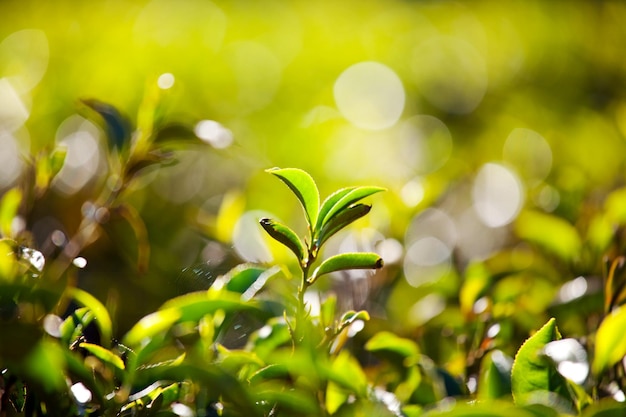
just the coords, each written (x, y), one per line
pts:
(304, 187)
(344, 261)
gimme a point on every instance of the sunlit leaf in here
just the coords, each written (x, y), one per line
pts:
(286, 236)
(105, 355)
(195, 305)
(103, 320)
(351, 316)
(533, 372)
(9, 205)
(341, 220)
(328, 203)
(346, 200)
(8, 261)
(150, 325)
(344, 261)
(550, 232)
(73, 326)
(477, 279)
(610, 346)
(304, 187)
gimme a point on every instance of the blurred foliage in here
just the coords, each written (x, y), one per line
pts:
(137, 279)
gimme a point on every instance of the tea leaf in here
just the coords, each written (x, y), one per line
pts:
(103, 320)
(552, 233)
(303, 186)
(346, 199)
(9, 205)
(103, 354)
(340, 221)
(286, 236)
(532, 371)
(150, 325)
(610, 345)
(358, 260)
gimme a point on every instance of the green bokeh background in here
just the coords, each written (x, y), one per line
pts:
(266, 70)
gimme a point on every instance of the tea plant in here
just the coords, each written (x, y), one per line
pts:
(290, 361)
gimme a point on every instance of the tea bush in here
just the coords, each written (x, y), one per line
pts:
(273, 340)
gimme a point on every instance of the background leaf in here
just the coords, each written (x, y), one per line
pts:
(610, 346)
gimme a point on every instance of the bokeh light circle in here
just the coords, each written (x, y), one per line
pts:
(529, 153)
(498, 195)
(370, 95)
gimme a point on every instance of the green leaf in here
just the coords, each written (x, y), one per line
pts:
(150, 325)
(532, 371)
(345, 200)
(241, 277)
(329, 203)
(477, 280)
(346, 378)
(103, 320)
(303, 186)
(610, 345)
(9, 205)
(287, 237)
(351, 316)
(360, 260)
(327, 310)
(72, 327)
(495, 376)
(195, 305)
(406, 349)
(340, 221)
(488, 409)
(46, 365)
(550, 232)
(104, 355)
(606, 407)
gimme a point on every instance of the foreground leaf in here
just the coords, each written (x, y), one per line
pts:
(533, 372)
